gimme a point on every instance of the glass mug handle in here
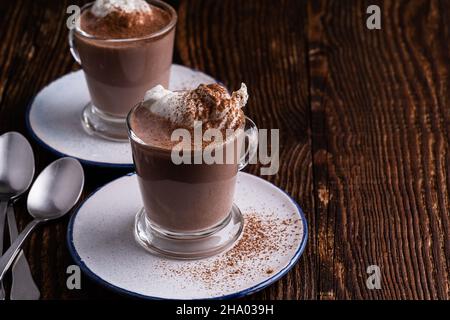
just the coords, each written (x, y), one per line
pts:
(251, 134)
(73, 49)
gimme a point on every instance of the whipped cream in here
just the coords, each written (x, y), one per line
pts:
(102, 8)
(212, 105)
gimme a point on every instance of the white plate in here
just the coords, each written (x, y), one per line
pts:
(101, 241)
(54, 119)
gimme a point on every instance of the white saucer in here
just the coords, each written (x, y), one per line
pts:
(101, 241)
(54, 119)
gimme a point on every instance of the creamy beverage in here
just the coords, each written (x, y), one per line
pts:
(186, 198)
(124, 47)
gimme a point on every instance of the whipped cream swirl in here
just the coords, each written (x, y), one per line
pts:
(102, 8)
(211, 104)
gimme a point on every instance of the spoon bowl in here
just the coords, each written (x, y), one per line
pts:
(56, 190)
(16, 165)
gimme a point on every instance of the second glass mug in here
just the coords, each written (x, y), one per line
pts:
(118, 72)
(188, 210)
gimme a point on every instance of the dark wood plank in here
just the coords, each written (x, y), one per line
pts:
(263, 45)
(380, 121)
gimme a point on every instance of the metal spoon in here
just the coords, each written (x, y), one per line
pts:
(55, 191)
(16, 175)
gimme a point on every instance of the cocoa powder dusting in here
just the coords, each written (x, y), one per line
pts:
(252, 256)
(123, 25)
(211, 104)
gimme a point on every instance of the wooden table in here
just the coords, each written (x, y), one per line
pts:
(364, 117)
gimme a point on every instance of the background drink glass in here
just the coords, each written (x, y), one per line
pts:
(118, 72)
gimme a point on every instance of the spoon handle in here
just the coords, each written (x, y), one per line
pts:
(8, 258)
(3, 206)
(23, 286)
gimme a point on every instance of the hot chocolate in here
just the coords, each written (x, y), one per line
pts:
(123, 19)
(125, 47)
(187, 198)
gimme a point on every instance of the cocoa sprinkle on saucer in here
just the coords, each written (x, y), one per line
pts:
(252, 256)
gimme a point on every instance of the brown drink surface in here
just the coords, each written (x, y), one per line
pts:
(152, 129)
(178, 198)
(122, 25)
(118, 73)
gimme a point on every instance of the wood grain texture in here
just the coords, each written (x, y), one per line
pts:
(364, 123)
(380, 119)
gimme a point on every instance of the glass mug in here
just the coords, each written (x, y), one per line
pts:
(188, 210)
(118, 72)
